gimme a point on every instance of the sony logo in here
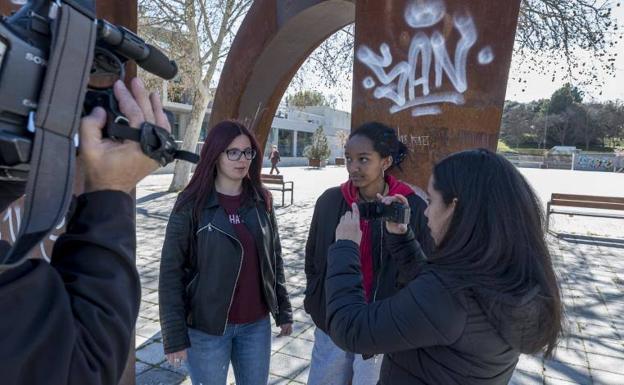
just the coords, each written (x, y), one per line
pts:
(36, 59)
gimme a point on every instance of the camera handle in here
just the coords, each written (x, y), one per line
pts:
(156, 142)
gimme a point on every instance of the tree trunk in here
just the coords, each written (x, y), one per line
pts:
(182, 171)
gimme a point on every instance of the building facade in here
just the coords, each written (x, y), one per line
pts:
(292, 130)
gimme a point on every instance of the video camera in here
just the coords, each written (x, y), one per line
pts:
(57, 63)
(394, 212)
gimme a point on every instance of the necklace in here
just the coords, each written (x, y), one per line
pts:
(365, 199)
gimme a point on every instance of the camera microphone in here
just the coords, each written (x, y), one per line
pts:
(129, 45)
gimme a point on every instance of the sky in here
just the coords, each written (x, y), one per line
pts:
(539, 84)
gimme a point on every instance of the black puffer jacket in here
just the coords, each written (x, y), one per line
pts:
(429, 333)
(387, 279)
(69, 322)
(200, 265)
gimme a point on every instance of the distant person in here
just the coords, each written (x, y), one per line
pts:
(371, 151)
(274, 156)
(486, 294)
(221, 272)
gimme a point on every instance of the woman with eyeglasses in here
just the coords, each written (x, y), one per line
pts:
(221, 271)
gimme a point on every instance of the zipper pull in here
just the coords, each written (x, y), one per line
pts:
(209, 227)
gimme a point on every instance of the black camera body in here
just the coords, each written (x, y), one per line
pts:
(394, 212)
(57, 63)
(25, 49)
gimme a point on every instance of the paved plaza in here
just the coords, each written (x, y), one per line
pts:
(588, 254)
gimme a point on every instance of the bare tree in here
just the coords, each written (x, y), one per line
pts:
(548, 30)
(569, 29)
(343, 138)
(197, 33)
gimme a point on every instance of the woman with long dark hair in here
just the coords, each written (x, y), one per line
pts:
(372, 150)
(221, 272)
(486, 294)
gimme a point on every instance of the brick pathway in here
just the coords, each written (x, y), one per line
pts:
(589, 260)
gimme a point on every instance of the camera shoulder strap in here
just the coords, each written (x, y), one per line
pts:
(49, 186)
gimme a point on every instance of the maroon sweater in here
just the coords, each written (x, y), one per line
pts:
(248, 304)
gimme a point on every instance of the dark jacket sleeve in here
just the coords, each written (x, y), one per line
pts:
(411, 251)
(407, 254)
(283, 302)
(172, 281)
(407, 320)
(310, 247)
(418, 223)
(71, 321)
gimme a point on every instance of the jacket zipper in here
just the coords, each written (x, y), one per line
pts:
(192, 280)
(240, 265)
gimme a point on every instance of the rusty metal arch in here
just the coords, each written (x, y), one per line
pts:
(275, 39)
(456, 104)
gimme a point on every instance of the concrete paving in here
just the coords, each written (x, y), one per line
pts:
(588, 255)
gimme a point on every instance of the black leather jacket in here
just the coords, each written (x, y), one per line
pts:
(200, 266)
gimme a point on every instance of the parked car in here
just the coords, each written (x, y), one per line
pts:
(563, 150)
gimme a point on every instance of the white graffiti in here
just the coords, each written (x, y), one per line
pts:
(414, 141)
(424, 14)
(400, 83)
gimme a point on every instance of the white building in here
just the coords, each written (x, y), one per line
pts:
(292, 129)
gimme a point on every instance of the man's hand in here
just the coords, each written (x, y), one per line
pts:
(349, 226)
(110, 165)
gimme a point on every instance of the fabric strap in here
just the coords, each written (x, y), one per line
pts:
(49, 186)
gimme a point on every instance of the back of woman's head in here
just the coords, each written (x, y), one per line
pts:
(385, 141)
(202, 183)
(495, 236)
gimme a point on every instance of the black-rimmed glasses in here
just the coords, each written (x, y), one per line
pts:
(235, 154)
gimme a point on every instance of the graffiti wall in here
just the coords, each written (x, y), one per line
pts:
(436, 70)
(598, 162)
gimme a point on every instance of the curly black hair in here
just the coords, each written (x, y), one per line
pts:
(385, 141)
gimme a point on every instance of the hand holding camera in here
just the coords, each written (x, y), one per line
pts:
(400, 203)
(394, 210)
(114, 165)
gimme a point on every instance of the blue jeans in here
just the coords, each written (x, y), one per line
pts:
(248, 346)
(333, 366)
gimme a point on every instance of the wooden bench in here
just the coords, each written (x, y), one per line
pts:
(584, 201)
(276, 183)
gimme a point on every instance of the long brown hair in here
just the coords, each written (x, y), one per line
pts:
(202, 183)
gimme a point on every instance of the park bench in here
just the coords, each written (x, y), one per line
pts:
(276, 183)
(584, 201)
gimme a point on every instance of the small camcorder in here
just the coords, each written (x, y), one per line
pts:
(395, 212)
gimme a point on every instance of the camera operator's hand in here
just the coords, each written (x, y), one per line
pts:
(394, 228)
(349, 226)
(110, 165)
